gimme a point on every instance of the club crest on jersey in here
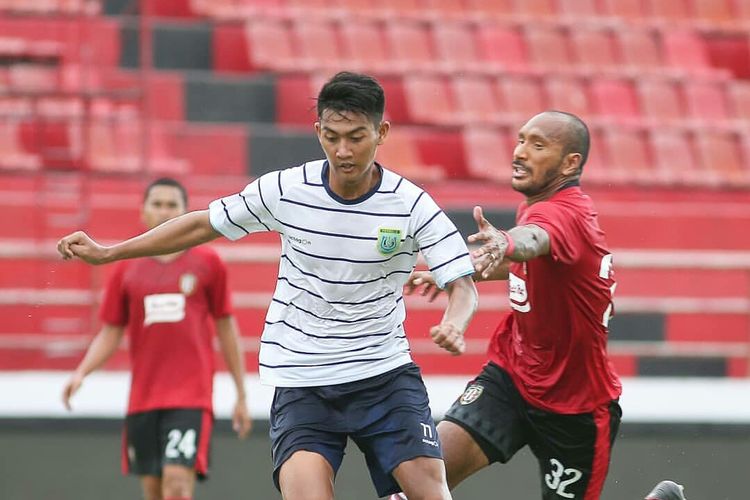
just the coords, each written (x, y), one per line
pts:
(187, 283)
(388, 240)
(471, 394)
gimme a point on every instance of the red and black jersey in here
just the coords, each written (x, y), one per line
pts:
(169, 309)
(554, 342)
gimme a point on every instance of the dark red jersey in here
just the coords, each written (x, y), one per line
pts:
(554, 342)
(169, 309)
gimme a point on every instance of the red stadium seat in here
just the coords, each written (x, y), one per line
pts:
(533, 9)
(400, 153)
(475, 99)
(270, 45)
(614, 98)
(502, 45)
(634, 10)
(568, 94)
(578, 9)
(548, 48)
(310, 9)
(668, 11)
(742, 9)
(318, 45)
(713, 12)
(721, 153)
(660, 100)
(674, 159)
(488, 152)
(455, 46)
(409, 45)
(594, 48)
(686, 50)
(364, 46)
(428, 99)
(484, 9)
(445, 9)
(12, 154)
(628, 155)
(520, 98)
(738, 93)
(639, 48)
(706, 101)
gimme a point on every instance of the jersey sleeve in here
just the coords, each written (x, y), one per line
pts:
(562, 227)
(219, 296)
(441, 244)
(249, 211)
(114, 307)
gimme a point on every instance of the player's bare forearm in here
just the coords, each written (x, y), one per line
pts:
(101, 349)
(180, 233)
(530, 241)
(229, 343)
(462, 302)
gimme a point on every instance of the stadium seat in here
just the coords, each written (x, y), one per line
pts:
(738, 93)
(660, 100)
(270, 45)
(455, 47)
(706, 101)
(713, 12)
(428, 100)
(567, 94)
(630, 10)
(721, 153)
(314, 10)
(12, 154)
(578, 10)
(475, 100)
(520, 98)
(364, 46)
(548, 48)
(503, 46)
(614, 99)
(532, 10)
(639, 48)
(484, 147)
(594, 49)
(487, 9)
(409, 44)
(400, 154)
(445, 9)
(668, 12)
(686, 50)
(674, 158)
(317, 45)
(628, 155)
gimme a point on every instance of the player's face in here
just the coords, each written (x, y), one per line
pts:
(162, 203)
(350, 141)
(538, 158)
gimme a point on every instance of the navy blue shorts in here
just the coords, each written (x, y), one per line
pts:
(387, 416)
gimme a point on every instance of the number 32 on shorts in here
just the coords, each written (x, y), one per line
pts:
(559, 478)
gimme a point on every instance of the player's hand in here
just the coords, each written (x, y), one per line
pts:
(80, 245)
(71, 387)
(490, 255)
(426, 280)
(449, 337)
(241, 422)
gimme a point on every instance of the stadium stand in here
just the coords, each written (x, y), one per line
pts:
(663, 85)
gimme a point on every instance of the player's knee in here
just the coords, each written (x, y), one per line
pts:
(177, 486)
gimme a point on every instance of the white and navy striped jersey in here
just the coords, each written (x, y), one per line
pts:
(337, 312)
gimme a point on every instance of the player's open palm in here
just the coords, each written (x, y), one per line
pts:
(493, 245)
(426, 281)
(80, 244)
(71, 387)
(449, 337)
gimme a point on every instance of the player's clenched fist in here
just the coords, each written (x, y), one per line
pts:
(80, 245)
(449, 337)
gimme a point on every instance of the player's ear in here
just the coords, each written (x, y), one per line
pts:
(383, 129)
(571, 164)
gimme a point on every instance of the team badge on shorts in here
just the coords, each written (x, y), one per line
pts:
(187, 283)
(471, 394)
(388, 240)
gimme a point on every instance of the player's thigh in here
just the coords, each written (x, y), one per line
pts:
(184, 438)
(305, 429)
(141, 449)
(422, 477)
(151, 486)
(573, 450)
(490, 414)
(177, 481)
(306, 475)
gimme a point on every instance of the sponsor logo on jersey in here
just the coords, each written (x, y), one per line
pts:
(163, 308)
(187, 283)
(388, 240)
(471, 394)
(301, 241)
(519, 297)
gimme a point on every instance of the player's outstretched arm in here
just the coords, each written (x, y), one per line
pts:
(229, 343)
(519, 244)
(180, 233)
(100, 350)
(462, 303)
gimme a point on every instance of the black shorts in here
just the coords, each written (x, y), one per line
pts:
(573, 450)
(153, 439)
(387, 416)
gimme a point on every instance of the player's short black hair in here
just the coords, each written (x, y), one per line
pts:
(353, 92)
(576, 138)
(167, 181)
